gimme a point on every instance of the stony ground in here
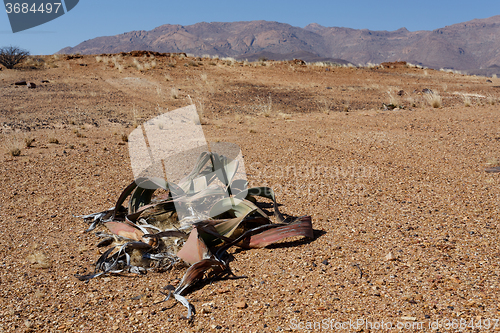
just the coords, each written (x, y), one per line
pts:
(405, 215)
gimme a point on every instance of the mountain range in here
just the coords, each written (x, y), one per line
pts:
(471, 45)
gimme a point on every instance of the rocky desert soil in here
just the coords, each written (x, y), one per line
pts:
(406, 217)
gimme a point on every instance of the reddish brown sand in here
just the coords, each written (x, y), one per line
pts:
(406, 216)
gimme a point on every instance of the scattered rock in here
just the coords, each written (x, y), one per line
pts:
(489, 81)
(299, 62)
(73, 56)
(493, 170)
(21, 83)
(325, 262)
(83, 65)
(401, 93)
(31, 85)
(241, 305)
(28, 323)
(409, 318)
(45, 81)
(427, 91)
(389, 257)
(388, 106)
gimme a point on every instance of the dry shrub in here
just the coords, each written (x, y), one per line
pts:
(28, 141)
(39, 260)
(491, 100)
(467, 101)
(434, 99)
(174, 93)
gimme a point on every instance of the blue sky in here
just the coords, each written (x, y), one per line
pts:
(92, 18)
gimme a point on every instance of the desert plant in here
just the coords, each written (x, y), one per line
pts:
(14, 151)
(434, 99)
(467, 101)
(491, 100)
(28, 141)
(174, 93)
(79, 134)
(324, 105)
(12, 55)
(124, 137)
(201, 237)
(265, 107)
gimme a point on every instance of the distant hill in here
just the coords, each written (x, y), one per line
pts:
(470, 45)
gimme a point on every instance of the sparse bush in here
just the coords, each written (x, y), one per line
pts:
(124, 137)
(79, 134)
(324, 105)
(491, 100)
(229, 61)
(434, 99)
(467, 101)
(15, 151)
(12, 55)
(174, 93)
(28, 141)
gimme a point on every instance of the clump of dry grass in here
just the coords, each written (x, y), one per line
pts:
(12, 144)
(174, 93)
(39, 260)
(138, 65)
(265, 107)
(199, 102)
(79, 134)
(324, 105)
(14, 151)
(434, 99)
(491, 100)
(393, 100)
(467, 101)
(28, 141)
(124, 137)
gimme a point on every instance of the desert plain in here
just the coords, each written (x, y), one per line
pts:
(405, 215)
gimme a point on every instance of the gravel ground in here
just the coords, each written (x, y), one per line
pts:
(405, 215)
